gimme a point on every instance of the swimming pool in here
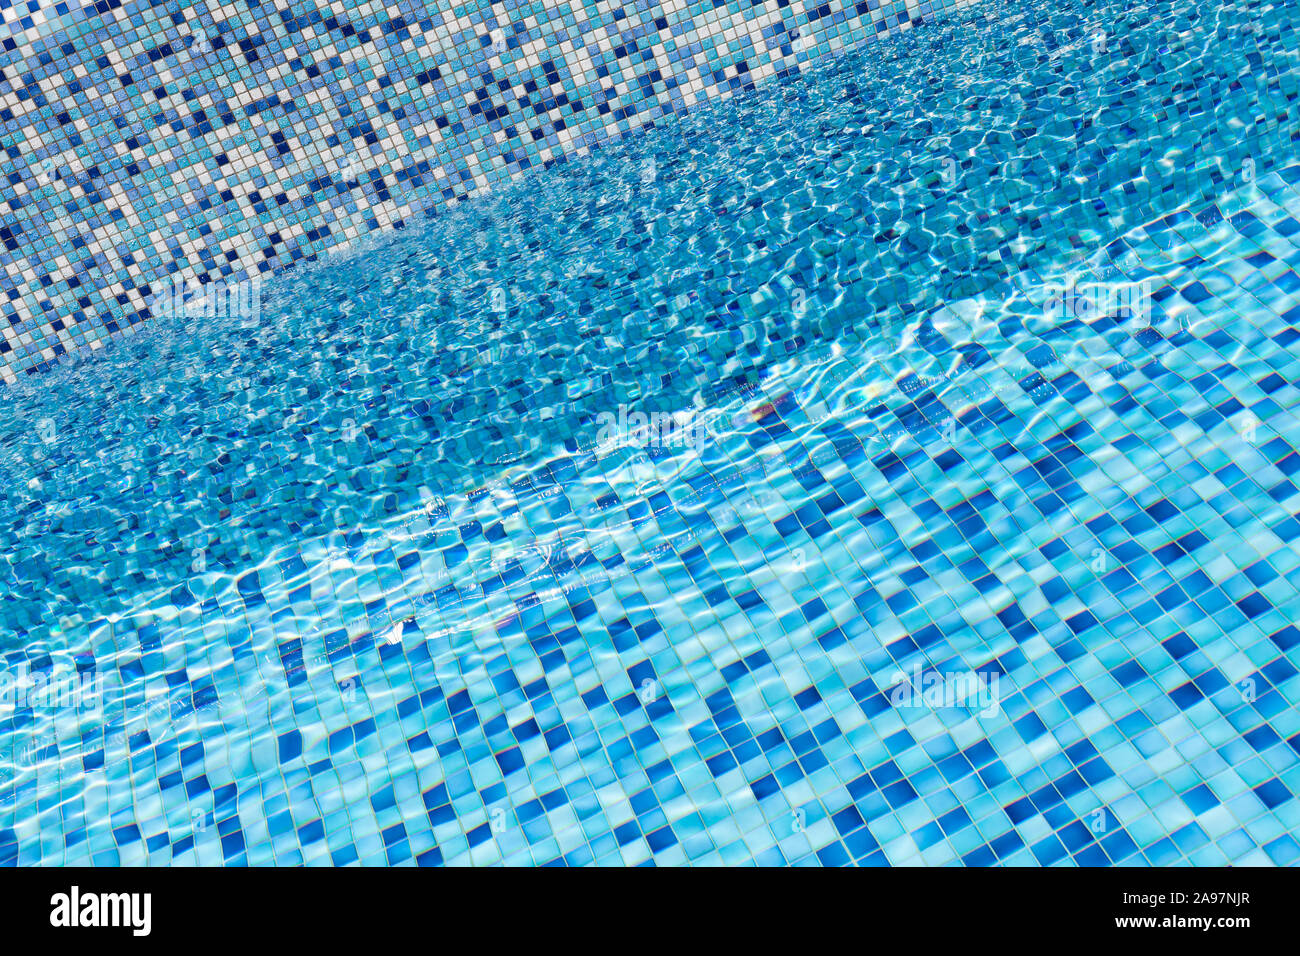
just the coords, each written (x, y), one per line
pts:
(891, 465)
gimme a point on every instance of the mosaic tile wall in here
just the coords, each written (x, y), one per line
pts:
(222, 141)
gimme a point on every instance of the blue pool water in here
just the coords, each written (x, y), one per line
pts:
(962, 527)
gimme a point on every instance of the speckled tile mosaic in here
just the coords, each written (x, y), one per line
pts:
(895, 464)
(144, 142)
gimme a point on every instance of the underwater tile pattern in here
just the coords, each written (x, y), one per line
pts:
(1107, 539)
(220, 142)
(391, 600)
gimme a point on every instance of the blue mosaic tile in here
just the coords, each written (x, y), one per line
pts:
(142, 142)
(905, 476)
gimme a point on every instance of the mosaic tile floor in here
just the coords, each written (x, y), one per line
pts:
(906, 477)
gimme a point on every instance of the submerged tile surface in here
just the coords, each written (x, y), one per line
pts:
(906, 477)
